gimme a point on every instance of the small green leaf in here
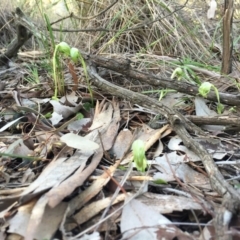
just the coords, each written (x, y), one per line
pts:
(122, 168)
(48, 115)
(233, 109)
(79, 116)
(237, 186)
(139, 155)
(159, 181)
(87, 106)
(74, 54)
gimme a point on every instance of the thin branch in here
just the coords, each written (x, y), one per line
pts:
(71, 15)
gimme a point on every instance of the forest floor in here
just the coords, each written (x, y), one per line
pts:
(118, 126)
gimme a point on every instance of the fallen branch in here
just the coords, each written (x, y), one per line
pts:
(25, 29)
(216, 120)
(22, 36)
(123, 66)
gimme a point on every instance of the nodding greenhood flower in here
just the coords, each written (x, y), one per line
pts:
(64, 48)
(205, 88)
(139, 155)
(74, 54)
(178, 73)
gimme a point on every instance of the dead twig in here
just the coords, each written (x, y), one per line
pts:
(22, 36)
(71, 15)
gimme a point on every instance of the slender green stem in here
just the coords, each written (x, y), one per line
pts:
(86, 75)
(19, 156)
(55, 73)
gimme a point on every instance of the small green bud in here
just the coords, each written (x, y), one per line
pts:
(139, 155)
(233, 109)
(64, 48)
(48, 115)
(74, 54)
(79, 116)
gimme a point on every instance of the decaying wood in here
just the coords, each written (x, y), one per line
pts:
(29, 25)
(15, 45)
(25, 29)
(22, 36)
(227, 37)
(123, 66)
(216, 120)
